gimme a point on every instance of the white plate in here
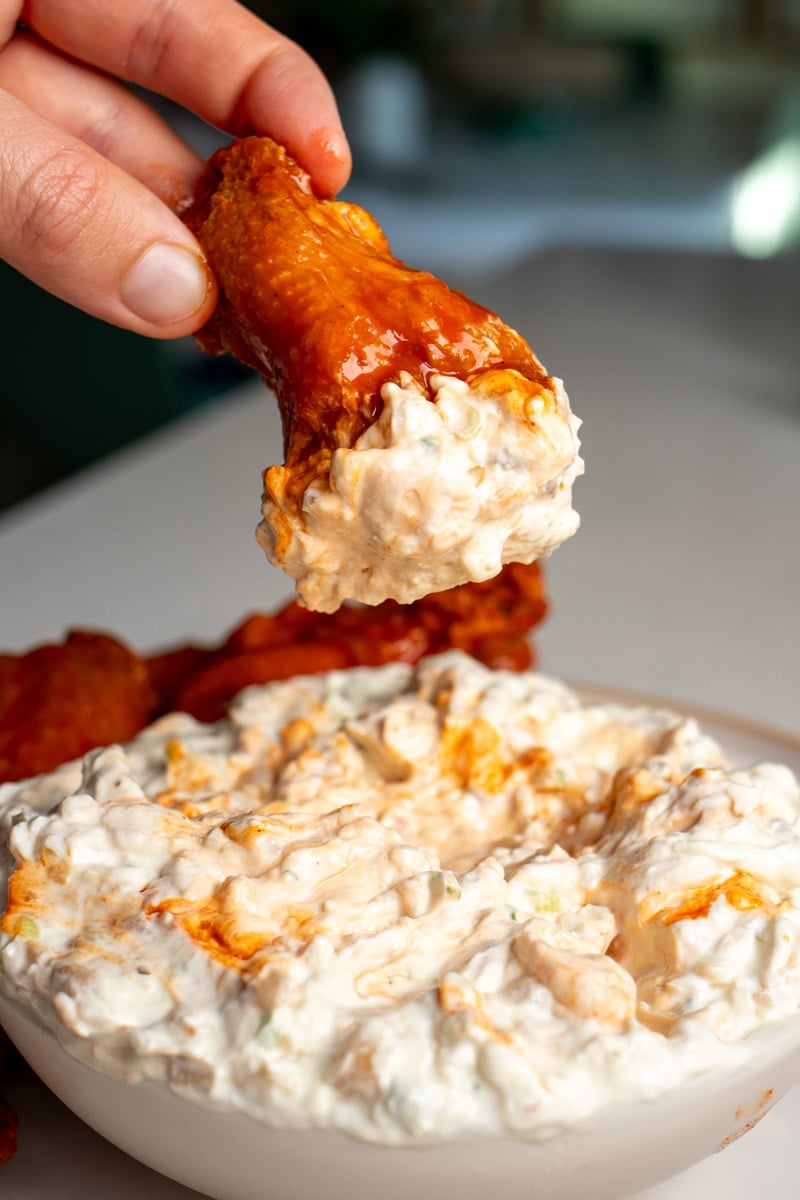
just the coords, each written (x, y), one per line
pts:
(62, 1159)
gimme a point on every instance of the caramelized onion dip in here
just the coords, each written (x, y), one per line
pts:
(438, 491)
(412, 904)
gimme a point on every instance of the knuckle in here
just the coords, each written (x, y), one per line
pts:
(152, 39)
(106, 130)
(58, 201)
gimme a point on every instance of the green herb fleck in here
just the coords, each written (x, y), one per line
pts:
(267, 1035)
(545, 902)
(26, 927)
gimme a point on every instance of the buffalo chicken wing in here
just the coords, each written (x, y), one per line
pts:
(424, 443)
(59, 701)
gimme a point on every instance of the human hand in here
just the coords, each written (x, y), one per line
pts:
(91, 178)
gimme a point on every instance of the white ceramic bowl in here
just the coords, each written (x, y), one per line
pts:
(231, 1157)
(623, 1149)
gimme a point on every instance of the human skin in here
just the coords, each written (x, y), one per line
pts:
(92, 179)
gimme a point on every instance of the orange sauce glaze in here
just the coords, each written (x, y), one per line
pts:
(312, 298)
(740, 889)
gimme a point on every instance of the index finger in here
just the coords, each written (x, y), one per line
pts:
(215, 58)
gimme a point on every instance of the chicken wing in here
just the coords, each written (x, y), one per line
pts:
(424, 443)
(58, 701)
(490, 620)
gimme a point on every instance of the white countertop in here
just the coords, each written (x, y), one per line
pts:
(684, 580)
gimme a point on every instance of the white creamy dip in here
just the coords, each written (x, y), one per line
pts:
(435, 493)
(411, 904)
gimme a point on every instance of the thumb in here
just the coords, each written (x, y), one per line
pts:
(82, 228)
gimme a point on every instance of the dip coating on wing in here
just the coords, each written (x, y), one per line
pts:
(392, 388)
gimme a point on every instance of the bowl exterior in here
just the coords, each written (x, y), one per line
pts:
(231, 1157)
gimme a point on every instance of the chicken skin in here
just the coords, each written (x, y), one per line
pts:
(424, 443)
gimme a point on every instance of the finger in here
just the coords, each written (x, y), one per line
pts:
(85, 230)
(215, 58)
(104, 114)
(10, 11)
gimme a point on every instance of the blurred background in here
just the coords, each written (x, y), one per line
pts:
(654, 147)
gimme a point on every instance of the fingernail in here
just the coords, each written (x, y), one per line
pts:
(332, 141)
(167, 284)
(332, 145)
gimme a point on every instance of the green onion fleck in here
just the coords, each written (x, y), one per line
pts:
(267, 1035)
(26, 927)
(548, 902)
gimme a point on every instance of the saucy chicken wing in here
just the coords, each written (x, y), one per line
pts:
(58, 701)
(424, 443)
